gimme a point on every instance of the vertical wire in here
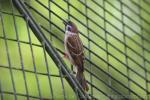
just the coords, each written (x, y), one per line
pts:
(143, 51)
(61, 75)
(1, 92)
(46, 61)
(19, 48)
(8, 58)
(125, 46)
(50, 16)
(69, 18)
(107, 57)
(62, 82)
(33, 59)
(89, 46)
(49, 73)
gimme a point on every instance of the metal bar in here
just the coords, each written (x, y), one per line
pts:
(1, 92)
(143, 52)
(49, 73)
(33, 59)
(51, 51)
(8, 57)
(9, 13)
(107, 54)
(25, 95)
(24, 42)
(29, 71)
(62, 82)
(89, 46)
(19, 49)
(125, 48)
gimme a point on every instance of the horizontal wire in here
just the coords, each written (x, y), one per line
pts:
(25, 95)
(30, 71)
(9, 13)
(24, 42)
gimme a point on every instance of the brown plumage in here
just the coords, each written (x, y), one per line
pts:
(75, 52)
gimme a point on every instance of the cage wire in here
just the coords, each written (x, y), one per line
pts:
(115, 34)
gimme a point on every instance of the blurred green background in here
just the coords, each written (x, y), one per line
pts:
(121, 45)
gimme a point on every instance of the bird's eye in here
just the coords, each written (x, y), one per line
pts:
(68, 28)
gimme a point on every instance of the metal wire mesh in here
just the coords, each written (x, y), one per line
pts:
(115, 34)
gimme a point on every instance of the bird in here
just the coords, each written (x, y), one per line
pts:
(74, 51)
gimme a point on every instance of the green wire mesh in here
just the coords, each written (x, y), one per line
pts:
(116, 37)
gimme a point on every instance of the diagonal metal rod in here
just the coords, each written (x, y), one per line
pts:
(50, 50)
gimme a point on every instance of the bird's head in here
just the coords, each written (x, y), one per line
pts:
(70, 27)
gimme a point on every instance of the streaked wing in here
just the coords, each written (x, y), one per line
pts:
(75, 48)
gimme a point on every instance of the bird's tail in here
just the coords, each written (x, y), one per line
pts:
(81, 78)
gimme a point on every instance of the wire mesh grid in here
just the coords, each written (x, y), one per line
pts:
(115, 35)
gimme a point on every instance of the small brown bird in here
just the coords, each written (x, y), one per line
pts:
(74, 51)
